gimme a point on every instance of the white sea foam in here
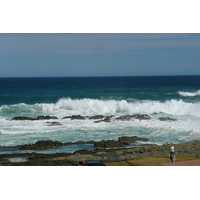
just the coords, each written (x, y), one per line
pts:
(189, 94)
(68, 106)
(89, 107)
(187, 115)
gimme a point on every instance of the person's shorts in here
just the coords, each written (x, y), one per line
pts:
(171, 155)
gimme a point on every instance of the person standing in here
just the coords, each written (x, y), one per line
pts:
(172, 154)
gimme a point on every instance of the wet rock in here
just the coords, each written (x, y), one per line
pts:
(107, 119)
(130, 139)
(97, 117)
(67, 117)
(23, 118)
(74, 117)
(125, 117)
(129, 117)
(77, 117)
(98, 121)
(167, 119)
(46, 117)
(142, 117)
(108, 143)
(42, 144)
(37, 118)
(54, 123)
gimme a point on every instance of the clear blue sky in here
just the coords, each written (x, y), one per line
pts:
(47, 55)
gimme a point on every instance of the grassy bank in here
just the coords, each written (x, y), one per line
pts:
(153, 161)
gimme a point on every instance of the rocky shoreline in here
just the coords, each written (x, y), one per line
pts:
(104, 151)
(96, 118)
(100, 153)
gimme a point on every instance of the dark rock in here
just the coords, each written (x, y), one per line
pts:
(79, 117)
(167, 119)
(23, 118)
(67, 117)
(79, 142)
(38, 118)
(54, 123)
(130, 139)
(46, 117)
(75, 117)
(125, 117)
(85, 151)
(108, 143)
(90, 142)
(142, 117)
(107, 119)
(129, 117)
(42, 144)
(97, 117)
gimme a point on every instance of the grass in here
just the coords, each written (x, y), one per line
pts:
(152, 161)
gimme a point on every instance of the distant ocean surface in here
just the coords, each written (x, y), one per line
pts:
(160, 96)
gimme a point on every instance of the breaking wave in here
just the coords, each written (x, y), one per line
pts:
(68, 106)
(88, 107)
(189, 94)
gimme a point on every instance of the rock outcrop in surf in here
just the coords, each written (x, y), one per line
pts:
(96, 118)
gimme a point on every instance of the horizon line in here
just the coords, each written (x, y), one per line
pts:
(92, 76)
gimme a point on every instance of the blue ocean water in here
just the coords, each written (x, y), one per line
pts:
(160, 96)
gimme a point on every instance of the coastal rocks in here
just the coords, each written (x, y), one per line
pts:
(85, 157)
(106, 119)
(54, 124)
(47, 144)
(79, 142)
(23, 118)
(167, 119)
(75, 117)
(37, 118)
(129, 117)
(97, 117)
(107, 143)
(101, 155)
(46, 117)
(125, 117)
(142, 117)
(124, 140)
(42, 144)
(130, 139)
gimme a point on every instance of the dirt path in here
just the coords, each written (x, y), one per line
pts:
(186, 163)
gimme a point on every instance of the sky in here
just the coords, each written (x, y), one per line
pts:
(99, 54)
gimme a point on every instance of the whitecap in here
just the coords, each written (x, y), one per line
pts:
(189, 94)
(89, 107)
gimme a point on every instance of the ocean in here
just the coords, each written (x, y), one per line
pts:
(177, 97)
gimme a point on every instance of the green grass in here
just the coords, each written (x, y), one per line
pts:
(152, 161)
